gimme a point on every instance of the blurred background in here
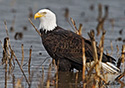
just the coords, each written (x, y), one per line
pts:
(17, 12)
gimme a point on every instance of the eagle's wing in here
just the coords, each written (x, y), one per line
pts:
(63, 44)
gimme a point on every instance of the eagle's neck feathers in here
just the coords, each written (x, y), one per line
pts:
(48, 25)
(48, 22)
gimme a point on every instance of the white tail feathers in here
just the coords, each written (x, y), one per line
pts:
(109, 67)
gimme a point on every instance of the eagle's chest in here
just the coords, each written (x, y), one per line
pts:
(50, 42)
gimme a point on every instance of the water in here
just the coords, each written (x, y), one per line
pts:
(79, 10)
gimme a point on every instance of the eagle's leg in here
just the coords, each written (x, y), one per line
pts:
(64, 65)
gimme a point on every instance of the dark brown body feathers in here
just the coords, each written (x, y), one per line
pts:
(66, 46)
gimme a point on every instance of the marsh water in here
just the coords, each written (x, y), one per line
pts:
(82, 11)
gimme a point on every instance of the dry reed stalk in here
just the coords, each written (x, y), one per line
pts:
(74, 24)
(8, 41)
(117, 49)
(67, 18)
(101, 54)
(4, 51)
(42, 77)
(84, 62)
(92, 67)
(7, 33)
(120, 76)
(71, 25)
(6, 28)
(101, 20)
(29, 62)
(13, 81)
(123, 57)
(101, 78)
(48, 77)
(95, 56)
(18, 83)
(100, 12)
(101, 46)
(94, 84)
(11, 67)
(30, 81)
(21, 68)
(22, 55)
(119, 62)
(14, 53)
(111, 47)
(34, 27)
(80, 29)
(90, 80)
(10, 63)
(7, 48)
(107, 53)
(99, 26)
(32, 74)
(6, 62)
(4, 54)
(101, 43)
(5, 58)
(56, 72)
(122, 84)
(76, 80)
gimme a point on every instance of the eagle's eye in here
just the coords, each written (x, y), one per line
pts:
(44, 13)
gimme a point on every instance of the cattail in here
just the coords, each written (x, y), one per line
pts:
(66, 15)
(30, 13)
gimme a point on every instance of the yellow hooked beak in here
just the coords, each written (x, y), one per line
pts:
(38, 15)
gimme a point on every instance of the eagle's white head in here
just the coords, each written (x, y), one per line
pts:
(47, 19)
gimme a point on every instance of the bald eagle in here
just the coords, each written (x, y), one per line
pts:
(66, 46)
